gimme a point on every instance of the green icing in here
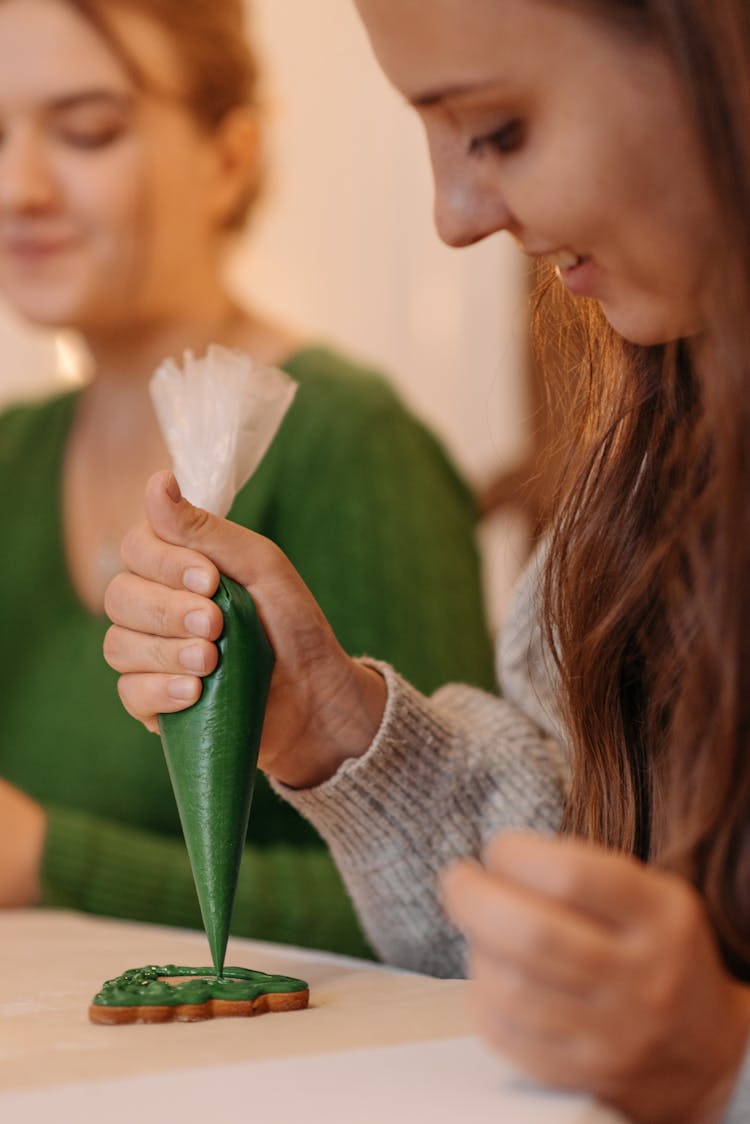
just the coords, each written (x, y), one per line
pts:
(211, 751)
(147, 987)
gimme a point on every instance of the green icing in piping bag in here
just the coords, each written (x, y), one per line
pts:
(211, 751)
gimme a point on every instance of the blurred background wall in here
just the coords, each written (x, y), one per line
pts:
(343, 248)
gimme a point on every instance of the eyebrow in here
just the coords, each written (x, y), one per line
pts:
(444, 93)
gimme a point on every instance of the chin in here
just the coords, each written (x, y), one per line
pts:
(648, 325)
(43, 309)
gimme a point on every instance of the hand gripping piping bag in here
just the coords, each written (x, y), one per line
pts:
(218, 415)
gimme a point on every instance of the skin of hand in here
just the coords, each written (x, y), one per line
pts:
(596, 973)
(323, 706)
(23, 825)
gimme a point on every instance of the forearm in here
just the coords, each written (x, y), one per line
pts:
(441, 776)
(285, 893)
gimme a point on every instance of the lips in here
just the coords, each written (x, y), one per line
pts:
(34, 245)
(33, 250)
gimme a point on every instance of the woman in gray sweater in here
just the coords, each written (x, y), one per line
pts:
(609, 137)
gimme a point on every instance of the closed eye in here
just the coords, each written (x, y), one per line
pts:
(91, 119)
(508, 138)
(92, 136)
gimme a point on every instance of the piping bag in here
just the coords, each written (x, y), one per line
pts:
(218, 415)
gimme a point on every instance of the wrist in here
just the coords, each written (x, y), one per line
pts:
(347, 725)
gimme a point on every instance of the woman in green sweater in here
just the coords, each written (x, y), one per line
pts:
(126, 104)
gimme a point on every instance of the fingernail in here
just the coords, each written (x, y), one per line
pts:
(183, 688)
(173, 488)
(192, 658)
(198, 623)
(197, 580)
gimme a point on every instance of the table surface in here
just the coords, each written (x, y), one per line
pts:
(375, 1044)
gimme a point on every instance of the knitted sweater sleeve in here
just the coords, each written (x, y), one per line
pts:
(441, 777)
(285, 893)
(738, 1111)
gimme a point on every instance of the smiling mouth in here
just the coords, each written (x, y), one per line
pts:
(32, 249)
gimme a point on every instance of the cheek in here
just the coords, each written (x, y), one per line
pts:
(660, 211)
(109, 203)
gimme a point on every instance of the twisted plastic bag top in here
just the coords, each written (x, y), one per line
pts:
(218, 415)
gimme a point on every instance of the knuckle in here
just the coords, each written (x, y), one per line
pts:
(270, 552)
(538, 943)
(113, 596)
(665, 995)
(129, 546)
(124, 691)
(496, 852)
(270, 564)
(510, 987)
(199, 522)
(572, 882)
(594, 1066)
(134, 696)
(111, 646)
(634, 1051)
(160, 618)
(160, 656)
(493, 1028)
(167, 565)
(688, 908)
(681, 921)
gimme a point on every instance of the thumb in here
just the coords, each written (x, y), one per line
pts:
(233, 549)
(286, 607)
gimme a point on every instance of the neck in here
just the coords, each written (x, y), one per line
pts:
(129, 353)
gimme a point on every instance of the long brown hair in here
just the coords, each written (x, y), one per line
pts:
(219, 68)
(647, 590)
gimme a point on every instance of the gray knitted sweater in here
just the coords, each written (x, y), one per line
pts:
(442, 776)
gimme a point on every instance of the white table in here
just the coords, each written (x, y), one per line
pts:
(375, 1045)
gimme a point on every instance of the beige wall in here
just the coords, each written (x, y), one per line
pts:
(344, 248)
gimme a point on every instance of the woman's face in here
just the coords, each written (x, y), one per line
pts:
(567, 133)
(108, 194)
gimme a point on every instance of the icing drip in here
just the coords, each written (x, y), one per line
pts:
(148, 986)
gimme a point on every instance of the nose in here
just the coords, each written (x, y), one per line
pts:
(469, 202)
(26, 181)
(464, 215)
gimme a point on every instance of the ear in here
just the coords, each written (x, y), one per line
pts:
(237, 141)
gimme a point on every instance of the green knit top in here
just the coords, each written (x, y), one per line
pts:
(366, 505)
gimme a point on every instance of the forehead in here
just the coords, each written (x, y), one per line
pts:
(424, 45)
(70, 53)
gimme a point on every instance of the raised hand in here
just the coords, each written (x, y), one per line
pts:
(594, 972)
(323, 707)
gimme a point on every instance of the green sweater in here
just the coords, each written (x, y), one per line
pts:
(364, 502)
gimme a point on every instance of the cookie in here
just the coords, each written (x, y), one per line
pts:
(170, 993)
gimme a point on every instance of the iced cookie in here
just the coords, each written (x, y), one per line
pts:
(162, 994)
